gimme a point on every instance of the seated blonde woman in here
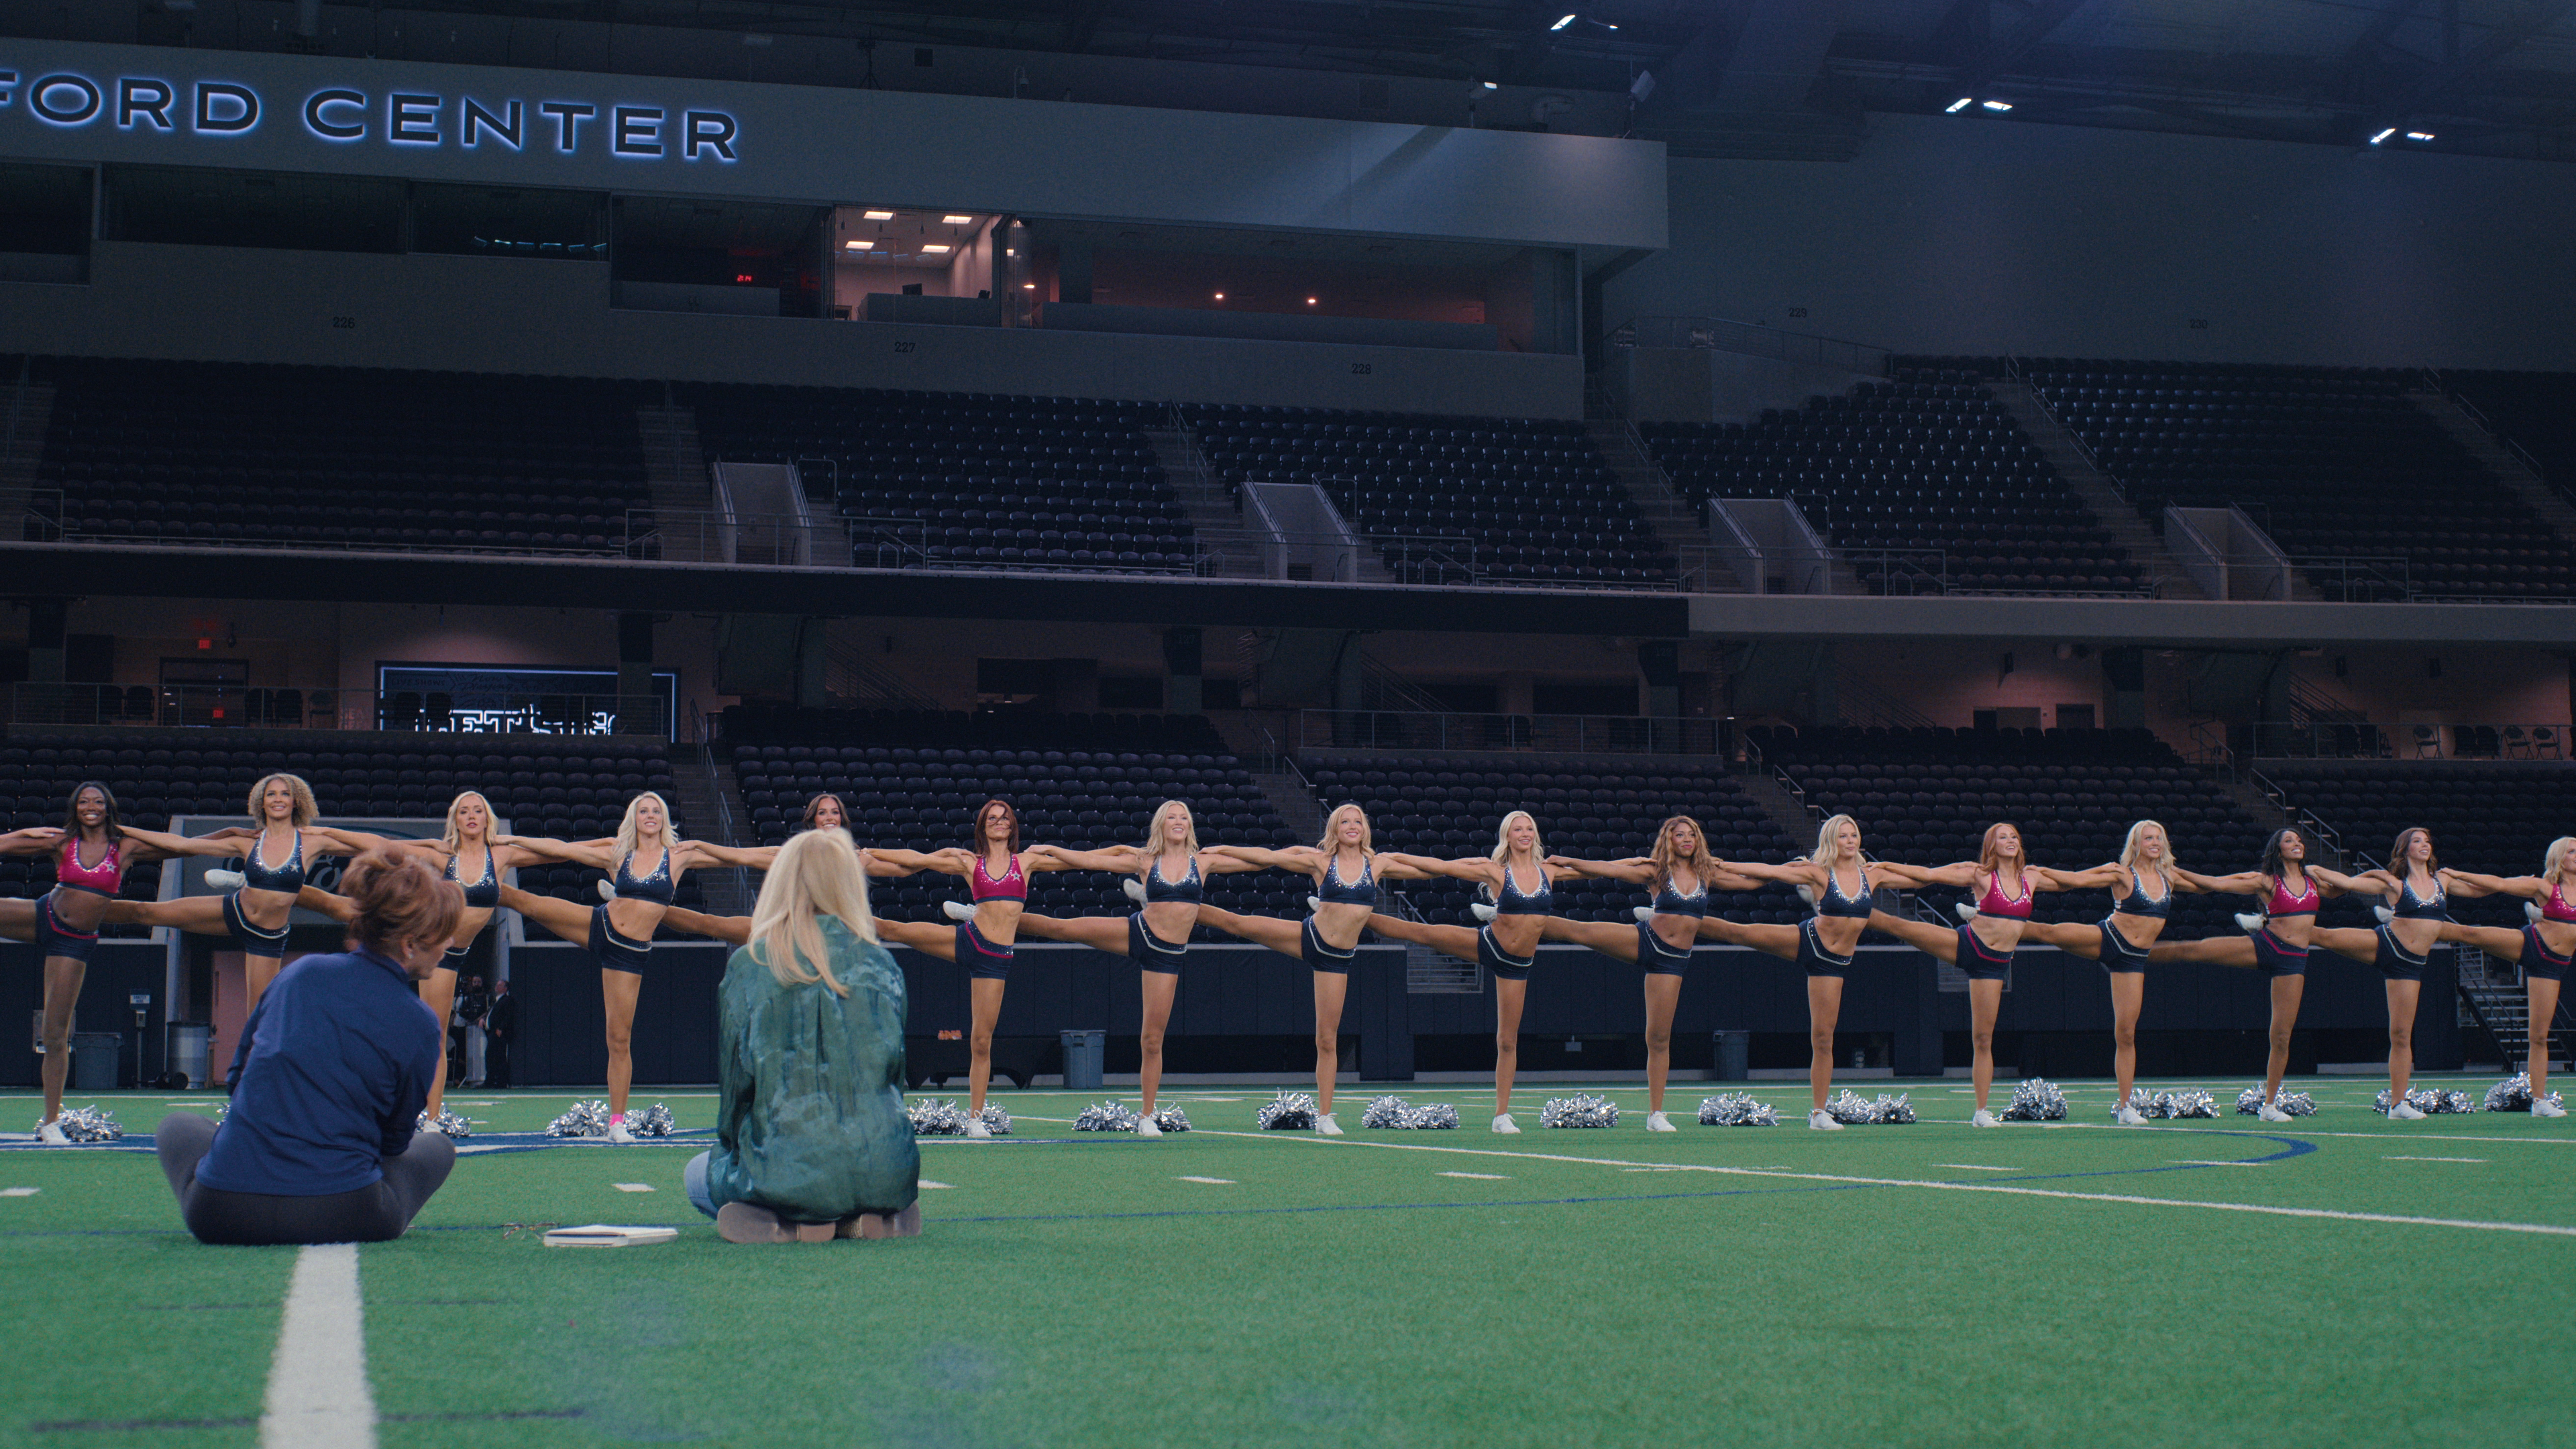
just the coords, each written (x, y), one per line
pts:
(811, 1138)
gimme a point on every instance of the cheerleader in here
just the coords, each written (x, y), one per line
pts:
(1822, 945)
(90, 853)
(2142, 885)
(2543, 947)
(255, 913)
(1171, 868)
(1681, 873)
(1507, 945)
(2412, 915)
(619, 933)
(1346, 868)
(2277, 939)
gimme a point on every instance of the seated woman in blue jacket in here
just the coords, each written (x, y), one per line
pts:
(811, 1137)
(329, 1079)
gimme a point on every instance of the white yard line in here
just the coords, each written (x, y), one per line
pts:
(317, 1387)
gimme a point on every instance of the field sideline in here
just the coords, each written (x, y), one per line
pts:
(2334, 1280)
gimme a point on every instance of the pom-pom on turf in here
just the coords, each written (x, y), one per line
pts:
(1737, 1109)
(1171, 1119)
(2036, 1101)
(1287, 1112)
(653, 1121)
(2167, 1106)
(1580, 1110)
(1106, 1117)
(88, 1124)
(2292, 1104)
(1394, 1114)
(585, 1119)
(2513, 1094)
(937, 1117)
(996, 1121)
(1849, 1108)
(1894, 1111)
(2428, 1101)
(445, 1123)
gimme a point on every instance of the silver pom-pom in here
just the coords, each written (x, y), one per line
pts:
(585, 1119)
(445, 1123)
(1287, 1112)
(1737, 1109)
(936, 1117)
(1895, 1110)
(996, 1121)
(1848, 1107)
(2167, 1106)
(1580, 1110)
(2296, 1104)
(1106, 1117)
(1395, 1114)
(2430, 1102)
(1171, 1119)
(653, 1121)
(2036, 1101)
(2513, 1094)
(88, 1124)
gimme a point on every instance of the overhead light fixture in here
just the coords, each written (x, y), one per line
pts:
(859, 246)
(1996, 105)
(1561, 24)
(1491, 85)
(956, 220)
(1961, 104)
(1220, 296)
(2419, 135)
(2384, 135)
(936, 248)
(1028, 286)
(1310, 301)
(878, 215)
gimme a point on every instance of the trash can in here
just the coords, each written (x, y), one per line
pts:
(1082, 1054)
(190, 1044)
(1734, 1054)
(95, 1059)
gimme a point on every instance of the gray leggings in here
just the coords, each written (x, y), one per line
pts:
(372, 1214)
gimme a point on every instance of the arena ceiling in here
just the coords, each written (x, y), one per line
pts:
(1763, 78)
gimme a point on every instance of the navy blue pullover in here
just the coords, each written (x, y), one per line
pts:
(332, 1071)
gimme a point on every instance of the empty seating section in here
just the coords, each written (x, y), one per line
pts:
(1449, 500)
(1926, 796)
(2337, 464)
(569, 788)
(1177, 734)
(1597, 809)
(213, 453)
(1925, 487)
(971, 480)
(2537, 410)
(922, 796)
(2493, 818)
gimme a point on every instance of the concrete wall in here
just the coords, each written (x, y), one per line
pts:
(1697, 385)
(251, 305)
(1950, 234)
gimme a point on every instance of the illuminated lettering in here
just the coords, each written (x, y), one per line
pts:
(568, 118)
(226, 109)
(476, 120)
(638, 131)
(148, 99)
(8, 86)
(47, 95)
(713, 130)
(320, 124)
(411, 120)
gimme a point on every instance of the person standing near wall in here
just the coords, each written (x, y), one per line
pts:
(501, 1025)
(469, 1010)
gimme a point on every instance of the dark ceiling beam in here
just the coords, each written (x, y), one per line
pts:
(2366, 46)
(2431, 87)
(2001, 51)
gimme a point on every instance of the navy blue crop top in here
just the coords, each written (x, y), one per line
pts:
(1512, 901)
(286, 879)
(483, 894)
(2138, 903)
(1187, 888)
(1361, 892)
(2412, 907)
(655, 887)
(1670, 902)
(1834, 903)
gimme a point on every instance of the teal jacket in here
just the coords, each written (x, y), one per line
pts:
(811, 1122)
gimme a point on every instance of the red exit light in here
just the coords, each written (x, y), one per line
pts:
(742, 276)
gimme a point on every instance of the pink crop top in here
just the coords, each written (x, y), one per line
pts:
(1995, 903)
(102, 879)
(2282, 903)
(2556, 908)
(1013, 886)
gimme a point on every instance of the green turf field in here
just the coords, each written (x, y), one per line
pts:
(2340, 1280)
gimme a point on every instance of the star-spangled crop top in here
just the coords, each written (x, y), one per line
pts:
(1187, 888)
(102, 879)
(1995, 903)
(1361, 892)
(2282, 903)
(656, 887)
(1511, 900)
(1013, 886)
(2556, 908)
(2412, 907)
(286, 879)
(1834, 903)
(485, 893)
(1671, 902)
(2138, 903)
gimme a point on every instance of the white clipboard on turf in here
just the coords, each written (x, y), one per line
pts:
(607, 1235)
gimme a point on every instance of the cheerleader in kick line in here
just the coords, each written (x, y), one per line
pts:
(255, 913)
(1822, 945)
(2142, 883)
(2412, 916)
(1507, 945)
(2543, 947)
(1170, 867)
(91, 852)
(467, 855)
(1681, 873)
(619, 933)
(1346, 866)
(1983, 945)
(2277, 941)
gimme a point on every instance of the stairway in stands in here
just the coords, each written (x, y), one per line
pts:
(1676, 524)
(1792, 819)
(2510, 470)
(26, 411)
(1215, 517)
(676, 470)
(708, 795)
(2059, 449)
